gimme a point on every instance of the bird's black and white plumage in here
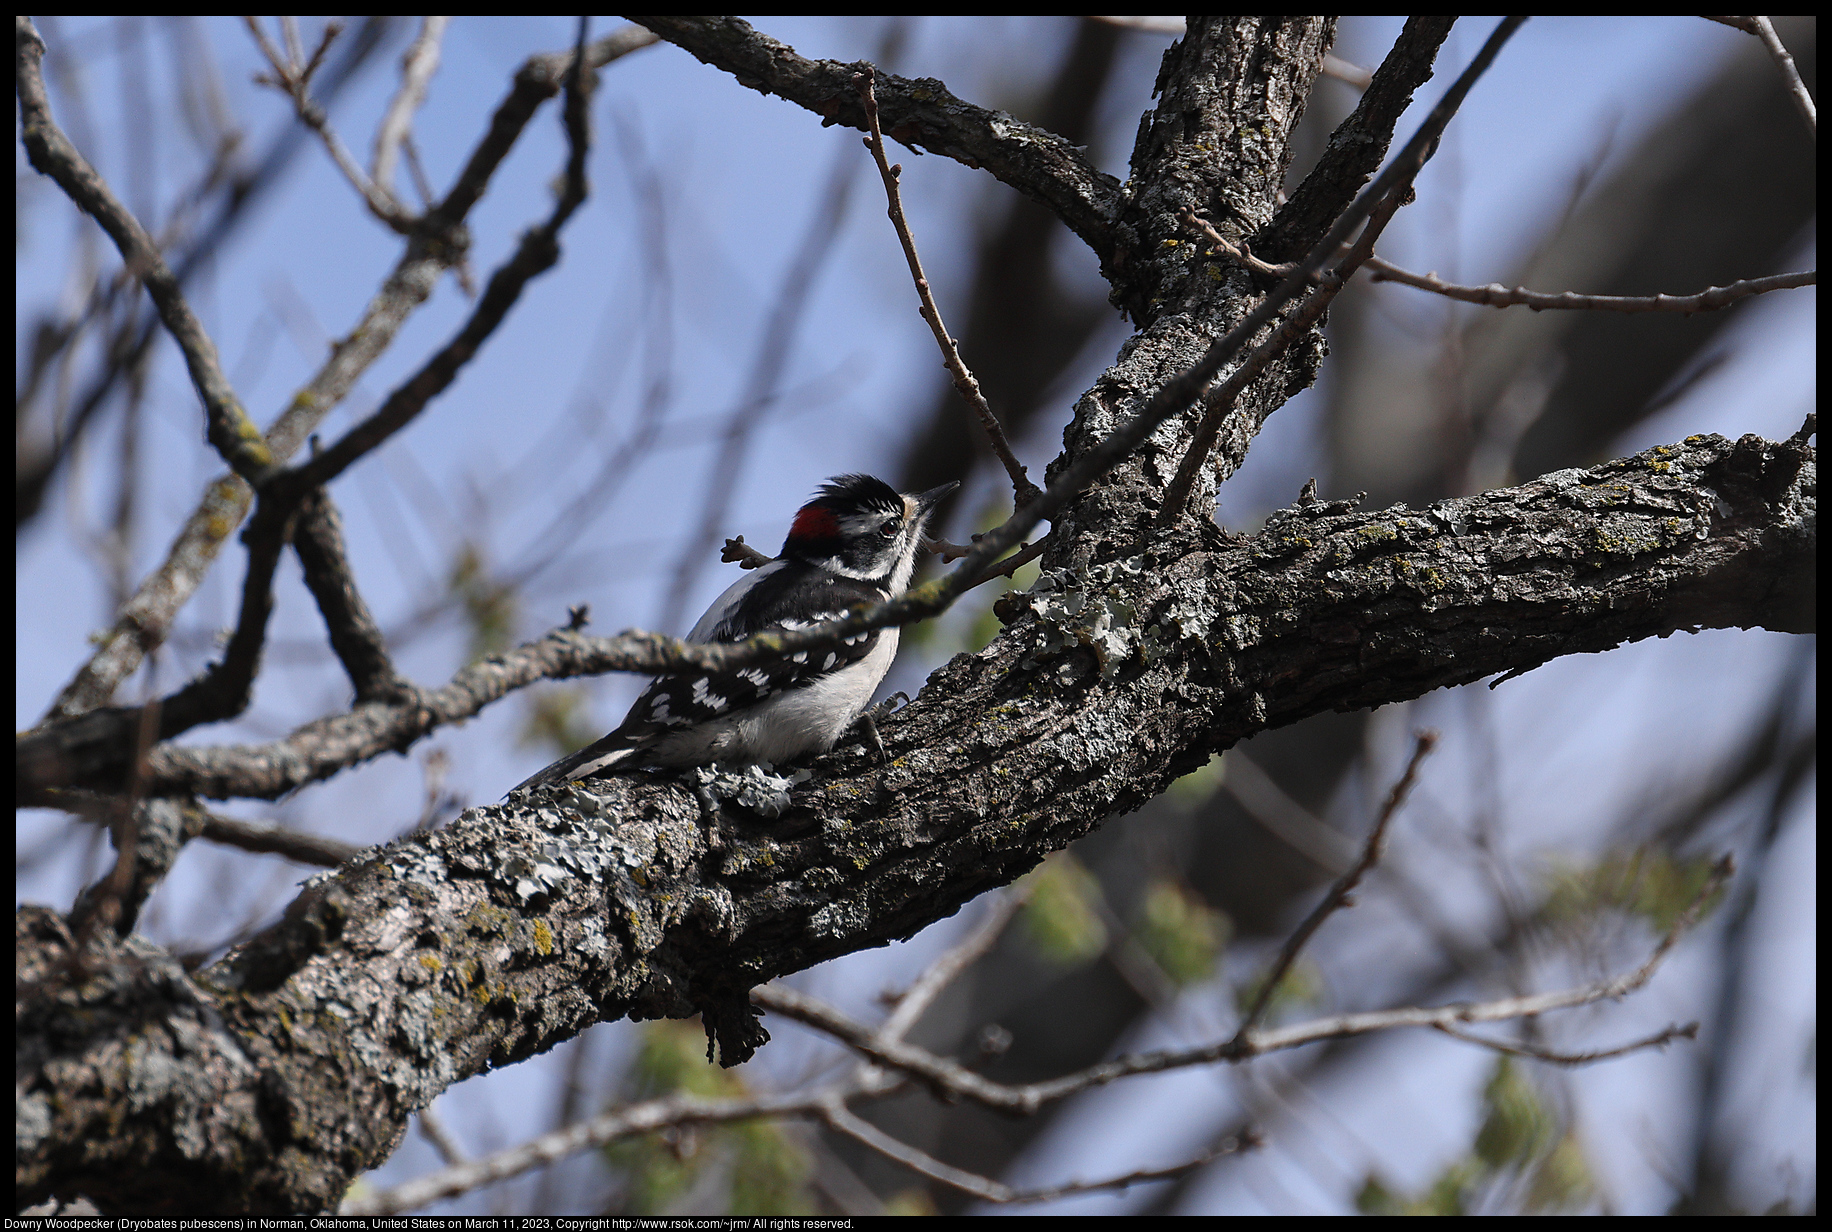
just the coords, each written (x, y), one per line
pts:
(856, 542)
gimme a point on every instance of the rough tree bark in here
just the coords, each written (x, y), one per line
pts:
(264, 1083)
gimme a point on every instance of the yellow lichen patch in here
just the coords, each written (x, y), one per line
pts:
(543, 937)
(431, 963)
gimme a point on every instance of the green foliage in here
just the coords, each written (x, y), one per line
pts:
(1062, 921)
(1184, 935)
(490, 607)
(1520, 1140)
(1517, 1126)
(759, 1165)
(1444, 1196)
(1649, 883)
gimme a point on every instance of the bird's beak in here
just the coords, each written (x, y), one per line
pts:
(926, 501)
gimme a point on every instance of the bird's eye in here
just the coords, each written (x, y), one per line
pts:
(889, 528)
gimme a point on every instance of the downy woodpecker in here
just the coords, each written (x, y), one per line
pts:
(856, 542)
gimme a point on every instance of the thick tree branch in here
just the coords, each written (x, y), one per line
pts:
(264, 1082)
(922, 114)
(1678, 562)
(518, 926)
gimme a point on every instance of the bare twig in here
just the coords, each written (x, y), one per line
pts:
(1219, 401)
(619, 1123)
(292, 78)
(1023, 490)
(538, 252)
(229, 428)
(418, 64)
(1497, 296)
(1339, 894)
(1203, 227)
(1764, 29)
(1659, 1039)
(839, 1119)
(1347, 73)
(945, 970)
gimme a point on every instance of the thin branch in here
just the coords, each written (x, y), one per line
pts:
(1219, 401)
(1790, 74)
(538, 252)
(293, 79)
(1023, 490)
(1339, 895)
(838, 1118)
(143, 623)
(539, 79)
(1497, 296)
(436, 1133)
(229, 428)
(1659, 1039)
(917, 998)
(1219, 243)
(277, 840)
(552, 1147)
(1348, 73)
(418, 64)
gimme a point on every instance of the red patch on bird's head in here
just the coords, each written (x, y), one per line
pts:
(815, 522)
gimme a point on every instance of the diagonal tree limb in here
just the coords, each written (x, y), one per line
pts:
(1359, 143)
(920, 113)
(538, 252)
(357, 639)
(1338, 896)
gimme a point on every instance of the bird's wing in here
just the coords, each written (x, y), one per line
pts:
(671, 703)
